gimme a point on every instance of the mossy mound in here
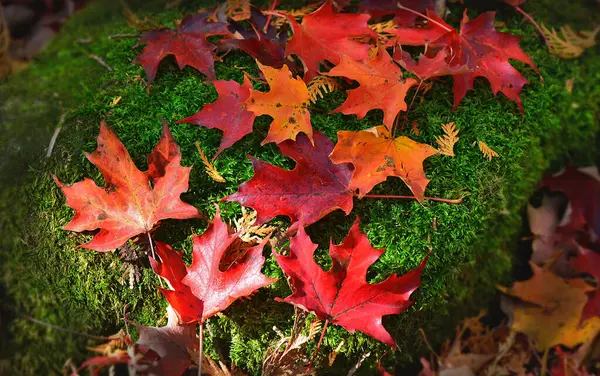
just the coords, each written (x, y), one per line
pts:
(47, 277)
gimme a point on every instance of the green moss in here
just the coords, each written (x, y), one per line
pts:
(47, 277)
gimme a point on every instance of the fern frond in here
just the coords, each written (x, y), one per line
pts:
(571, 44)
(296, 13)
(319, 86)
(209, 167)
(447, 141)
(487, 151)
(238, 10)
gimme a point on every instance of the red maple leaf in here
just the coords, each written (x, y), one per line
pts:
(583, 192)
(381, 86)
(132, 201)
(216, 289)
(326, 34)
(187, 42)
(342, 294)
(428, 67)
(379, 8)
(313, 189)
(408, 35)
(228, 113)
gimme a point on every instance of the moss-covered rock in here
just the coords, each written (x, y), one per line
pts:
(47, 277)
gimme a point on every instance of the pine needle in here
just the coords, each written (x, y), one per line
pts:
(487, 151)
(569, 44)
(238, 10)
(209, 167)
(447, 141)
(296, 13)
(319, 86)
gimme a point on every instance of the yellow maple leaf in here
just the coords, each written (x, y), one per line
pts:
(569, 44)
(553, 314)
(209, 167)
(447, 141)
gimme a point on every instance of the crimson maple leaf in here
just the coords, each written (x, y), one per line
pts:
(208, 284)
(381, 86)
(379, 8)
(484, 51)
(326, 34)
(132, 201)
(408, 35)
(313, 189)
(427, 67)
(187, 42)
(228, 113)
(583, 192)
(342, 294)
(588, 261)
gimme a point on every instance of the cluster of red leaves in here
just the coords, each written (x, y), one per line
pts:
(326, 176)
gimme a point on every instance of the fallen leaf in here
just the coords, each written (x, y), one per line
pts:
(132, 201)
(342, 295)
(588, 261)
(319, 86)
(572, 44)
(313, 189)
(487, 151)
(376, 155)
(215, 288)
(209, 167)
(554, 308)
(381, 86)
(379, 8)
(286, 102)
(328, 35)
(187, 42)
(228, 113)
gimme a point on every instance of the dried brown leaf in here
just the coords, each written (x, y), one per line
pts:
(569, 44)
(447, 141)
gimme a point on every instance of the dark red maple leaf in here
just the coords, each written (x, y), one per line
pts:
(426, 67)
(342, 294)
(209, 289)
(228, 113)
(265, 42)
(187, 42)
(379, 8)
(424, 34)
(483, 50)
(326, 34)
(588, 261)
(583, 192)
(132, 201)
(313, 189)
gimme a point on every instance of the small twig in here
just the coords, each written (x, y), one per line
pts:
(530, 19)
(446, 200)
(318, 347)
(409, 107)
(61, 329)
(123, 36)
(101, 62)
(154, 257)
(358, 364)
(427, 343)
(200, 351)
(55, 135)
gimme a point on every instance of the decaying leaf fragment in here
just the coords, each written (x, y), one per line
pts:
(447, 141)
(569, 44)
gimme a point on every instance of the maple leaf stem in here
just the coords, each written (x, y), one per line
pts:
(272, 9)
(446, 200)
(318, 347)
(408, 110)
(530, 19)
(200, 340)
(424, 16)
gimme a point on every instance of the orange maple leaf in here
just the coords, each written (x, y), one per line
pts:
(381, 86)
(287, 103)
(376, 155)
